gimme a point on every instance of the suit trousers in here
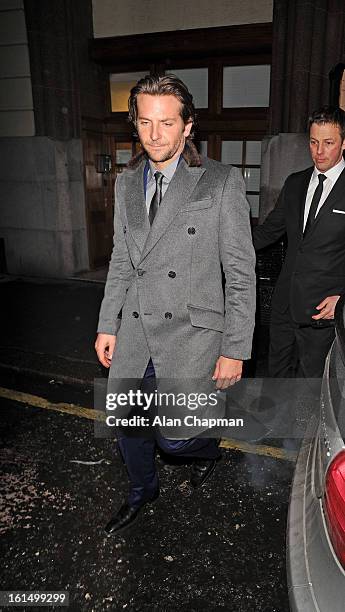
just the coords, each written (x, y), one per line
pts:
(297, 351)
(138, 453)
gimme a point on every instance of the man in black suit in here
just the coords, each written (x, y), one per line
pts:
(311, 211)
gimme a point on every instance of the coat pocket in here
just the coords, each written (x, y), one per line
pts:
(203, 317)
(195, 212)
(197, 205)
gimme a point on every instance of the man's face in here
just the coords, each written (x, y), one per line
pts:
(326, 145)
(160, 127)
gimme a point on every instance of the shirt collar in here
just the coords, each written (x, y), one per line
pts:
(332, 173)
(168, 172)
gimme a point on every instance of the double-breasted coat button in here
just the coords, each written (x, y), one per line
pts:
(191, 230)
(168, 315)
(135, 314)
(171, 274)
(140, 272)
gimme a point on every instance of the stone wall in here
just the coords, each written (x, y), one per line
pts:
(112, 18)
(281, 155)
(42, 216)
(16, 105)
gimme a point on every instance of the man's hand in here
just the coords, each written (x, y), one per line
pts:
(326, 308)
(105, 346)
(227, 372)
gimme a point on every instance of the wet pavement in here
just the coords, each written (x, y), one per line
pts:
(49, 327)
(218, 548)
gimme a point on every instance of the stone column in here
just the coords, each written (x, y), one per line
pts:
(43, 214)
(65, 83)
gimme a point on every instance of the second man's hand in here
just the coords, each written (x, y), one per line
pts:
(227, 372)
(326, 308)
(105, 346)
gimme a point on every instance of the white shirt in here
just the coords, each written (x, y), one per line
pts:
(332, 176)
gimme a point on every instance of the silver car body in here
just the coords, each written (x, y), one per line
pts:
(316, 579)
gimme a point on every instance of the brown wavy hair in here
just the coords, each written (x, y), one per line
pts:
(162, 85)
(166, 85)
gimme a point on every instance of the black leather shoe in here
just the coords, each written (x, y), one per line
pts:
(201, 470)
(126, 516)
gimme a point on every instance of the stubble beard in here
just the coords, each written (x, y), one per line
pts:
(161, 156)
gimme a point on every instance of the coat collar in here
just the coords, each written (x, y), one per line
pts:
(134, 196)
(180, 189)
(178, 192)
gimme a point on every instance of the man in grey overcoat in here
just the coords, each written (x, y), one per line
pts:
(181, 222)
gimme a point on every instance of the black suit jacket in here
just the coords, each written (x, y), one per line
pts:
(314, 266)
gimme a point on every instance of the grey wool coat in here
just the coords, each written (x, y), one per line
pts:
(164, 296)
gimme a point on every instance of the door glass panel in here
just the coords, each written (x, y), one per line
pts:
(246, 86)
(246, 154)
(232, 152)
(203, 147)
(123, 152)
(253, 152)
(252, 178)
(196, 80)
(120, 86)
(254, 204)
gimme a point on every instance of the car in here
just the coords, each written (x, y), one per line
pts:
(316, 517)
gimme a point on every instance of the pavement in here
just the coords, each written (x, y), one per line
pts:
(48, 328)
(218, 548)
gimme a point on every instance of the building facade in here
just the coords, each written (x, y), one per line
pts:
(255, 68)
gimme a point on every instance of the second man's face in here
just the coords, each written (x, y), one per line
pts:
(326, 145)
(160, 127)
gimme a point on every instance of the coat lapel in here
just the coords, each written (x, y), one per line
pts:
(336, 193)
(303, 194)
(137, 217)
(178, 192)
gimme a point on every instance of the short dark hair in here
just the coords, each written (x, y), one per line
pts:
(162, 85)
(329, 114)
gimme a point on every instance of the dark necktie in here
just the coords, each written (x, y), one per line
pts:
(314, 203)
(156, 200)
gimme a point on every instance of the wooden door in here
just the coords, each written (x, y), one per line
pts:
(99, 206)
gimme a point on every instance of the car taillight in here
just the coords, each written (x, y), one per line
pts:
(335, 504)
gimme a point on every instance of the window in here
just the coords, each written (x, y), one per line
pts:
(246, 86)
(123, 152)
(203, 145)
(246, 155)
(196, 80)
(120, 86)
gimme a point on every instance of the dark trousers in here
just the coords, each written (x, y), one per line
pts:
(139, 453)
(297, 351)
